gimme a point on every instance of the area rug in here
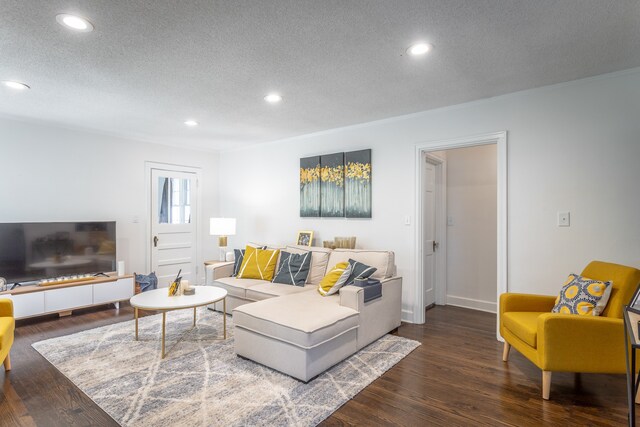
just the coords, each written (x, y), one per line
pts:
(201, 382)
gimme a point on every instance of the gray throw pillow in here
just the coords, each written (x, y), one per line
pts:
(293, 268)
(237, 262)
(359, 271)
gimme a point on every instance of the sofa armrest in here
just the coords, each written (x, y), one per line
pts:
(526, 302)
(6, 307)
(352, 297)
(378, 316)
(568, 342)
(216, 271)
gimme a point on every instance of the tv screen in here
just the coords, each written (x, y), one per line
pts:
(33, 251)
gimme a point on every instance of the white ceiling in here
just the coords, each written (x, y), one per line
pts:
(150, 65)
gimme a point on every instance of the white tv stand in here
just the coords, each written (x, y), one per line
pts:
(31, 301)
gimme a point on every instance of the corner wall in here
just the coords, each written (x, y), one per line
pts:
(57, 174)
(573, 146)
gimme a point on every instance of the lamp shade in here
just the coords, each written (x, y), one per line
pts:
(222, 226)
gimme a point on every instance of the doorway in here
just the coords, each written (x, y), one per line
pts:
(434, 270)
(173, 218)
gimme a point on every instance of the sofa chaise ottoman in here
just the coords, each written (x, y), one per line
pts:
(299, 332)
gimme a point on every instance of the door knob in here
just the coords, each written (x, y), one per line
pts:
(155, 241)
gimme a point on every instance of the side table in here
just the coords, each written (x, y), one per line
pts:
(631, 338)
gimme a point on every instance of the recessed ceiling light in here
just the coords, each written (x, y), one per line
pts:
(15, 85)
(191, 123)
(419, 49)
(74, 22)
(273, 98)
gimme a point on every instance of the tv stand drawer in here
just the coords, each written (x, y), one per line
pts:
(120, 290)
(68, 298)
(27, 305)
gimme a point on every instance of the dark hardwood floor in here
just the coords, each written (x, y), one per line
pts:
(456, 377)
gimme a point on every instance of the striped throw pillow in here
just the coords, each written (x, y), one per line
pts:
(359, 271)
(293, 268)
(335, 279)
(258, 263)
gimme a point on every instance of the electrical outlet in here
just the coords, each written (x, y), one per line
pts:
(564, 219)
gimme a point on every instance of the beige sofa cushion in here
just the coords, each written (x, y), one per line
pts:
(383, 261)
(237, 287)
(319, 260)
(269, 290)
(305, 319)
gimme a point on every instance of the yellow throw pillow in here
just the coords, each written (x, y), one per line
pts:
(335, 278)
(258, 263)
(583, 296)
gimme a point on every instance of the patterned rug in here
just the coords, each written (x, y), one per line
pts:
(201, 382)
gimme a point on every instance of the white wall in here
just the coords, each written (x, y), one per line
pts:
(56, 174)
(471, 238)
(573, 147)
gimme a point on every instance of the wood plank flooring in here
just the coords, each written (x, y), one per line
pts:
(455, 378)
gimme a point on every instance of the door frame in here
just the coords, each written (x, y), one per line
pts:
(148, 167)
(498, 138)
(440, 256)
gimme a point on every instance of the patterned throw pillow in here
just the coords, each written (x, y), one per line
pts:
(293, 269)
(583, 296)
(335, 279)
(258, 263)
(359, 271)
(239, 257)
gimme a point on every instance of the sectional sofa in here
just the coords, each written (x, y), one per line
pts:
(297, 331)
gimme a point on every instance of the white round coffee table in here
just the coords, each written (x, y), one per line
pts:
(159, 300)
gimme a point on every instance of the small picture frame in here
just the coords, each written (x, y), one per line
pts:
(634, 304)
(305, 238)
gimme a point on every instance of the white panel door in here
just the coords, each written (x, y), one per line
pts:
(429, 233)
(173, 225)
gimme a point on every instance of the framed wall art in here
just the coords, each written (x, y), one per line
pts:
(332, 185)
(310, 186)
(357, 184)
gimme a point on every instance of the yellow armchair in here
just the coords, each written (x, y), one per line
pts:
(7, 328)
(566, 342)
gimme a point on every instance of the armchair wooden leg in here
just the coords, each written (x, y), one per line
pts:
(7, 363)
(546, 384)
(505, 351)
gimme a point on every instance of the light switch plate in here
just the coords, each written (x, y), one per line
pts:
(564, 219)
(449, 220)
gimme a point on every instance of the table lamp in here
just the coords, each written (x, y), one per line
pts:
(222, 227)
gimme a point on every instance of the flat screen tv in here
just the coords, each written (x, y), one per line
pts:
(33, 251)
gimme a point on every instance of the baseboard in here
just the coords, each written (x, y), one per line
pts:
(474, 304)
(407, 316)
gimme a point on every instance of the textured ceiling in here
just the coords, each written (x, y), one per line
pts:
(149, 65)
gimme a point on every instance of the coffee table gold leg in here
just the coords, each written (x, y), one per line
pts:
(224, 316)
(194, 316)
(164, 319)
(135, 310)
